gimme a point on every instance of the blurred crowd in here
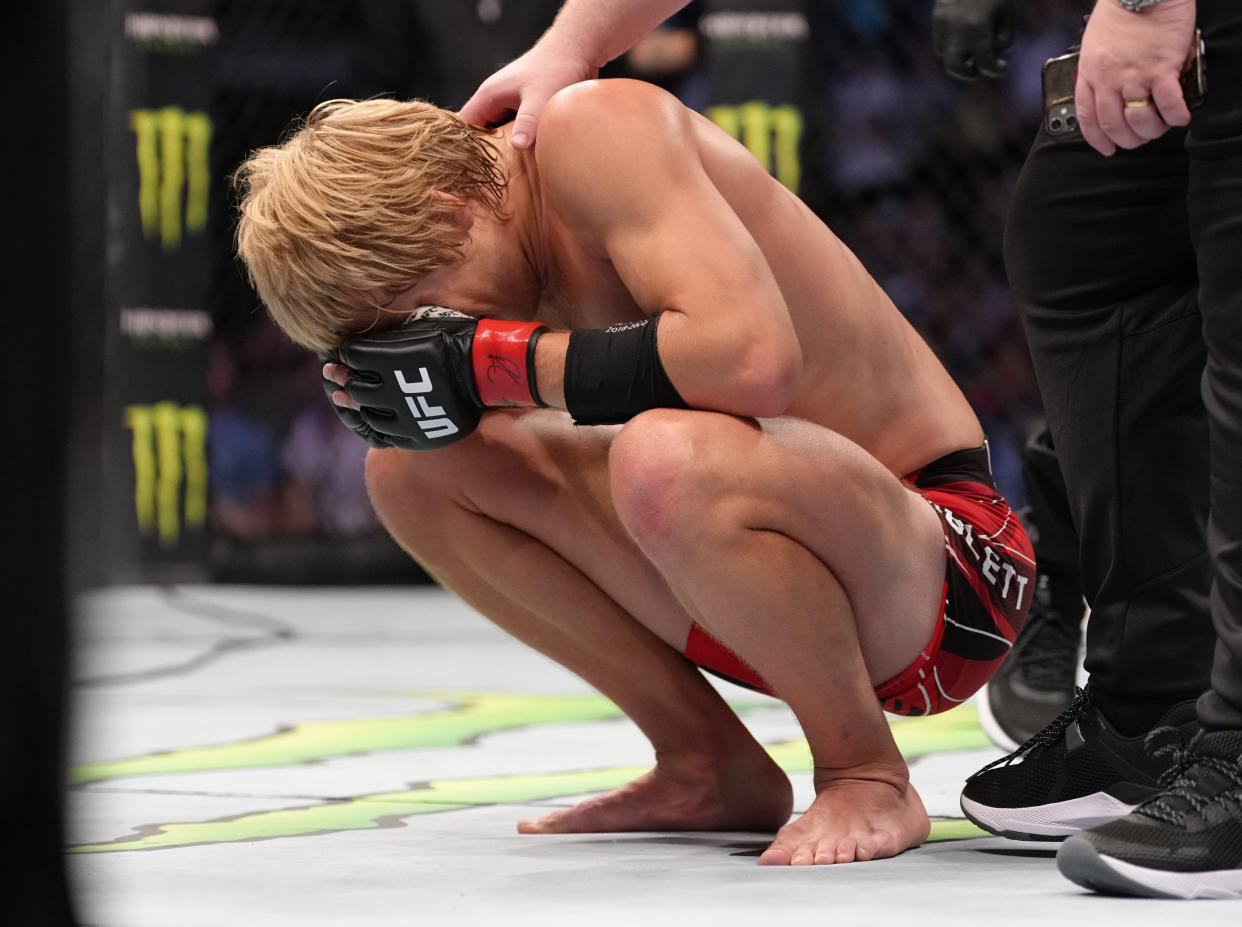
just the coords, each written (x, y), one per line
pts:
(912, 169)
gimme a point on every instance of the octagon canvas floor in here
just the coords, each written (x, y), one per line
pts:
(309, 756)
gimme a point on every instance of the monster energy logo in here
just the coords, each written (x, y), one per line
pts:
(771, 133)
(170, 454)
(173, 172)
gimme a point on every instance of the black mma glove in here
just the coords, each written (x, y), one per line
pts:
(969, 35)
(426, 384)
(351, 418)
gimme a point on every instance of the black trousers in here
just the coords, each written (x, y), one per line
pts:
(1128, 271)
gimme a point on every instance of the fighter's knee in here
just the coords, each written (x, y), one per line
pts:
(397, 479)
(656, 474)
(503, 470)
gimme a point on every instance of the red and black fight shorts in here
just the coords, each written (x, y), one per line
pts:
(989, 582)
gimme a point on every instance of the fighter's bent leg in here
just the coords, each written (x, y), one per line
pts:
(516, 520)
(821, 570)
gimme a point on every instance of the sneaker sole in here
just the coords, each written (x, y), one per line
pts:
(1053, 821)
(1080, 862)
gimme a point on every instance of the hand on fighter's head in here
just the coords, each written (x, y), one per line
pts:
(523, 87)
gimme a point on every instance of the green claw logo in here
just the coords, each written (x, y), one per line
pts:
(771, 133)
(170, 465)
(174, 175)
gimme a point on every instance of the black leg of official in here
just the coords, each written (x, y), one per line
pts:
(1215, 202)
(1100, 260)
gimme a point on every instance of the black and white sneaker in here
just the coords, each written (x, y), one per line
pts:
(1184, 843)
(1036, 681)
(1075, 773)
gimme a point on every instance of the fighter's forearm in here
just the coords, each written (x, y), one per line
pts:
(606, 376)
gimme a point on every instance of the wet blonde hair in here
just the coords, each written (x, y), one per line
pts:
(343, 207)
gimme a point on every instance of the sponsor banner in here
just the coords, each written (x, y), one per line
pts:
(160, 182)
(754, 53)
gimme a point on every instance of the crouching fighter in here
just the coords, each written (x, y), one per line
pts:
(780, 483)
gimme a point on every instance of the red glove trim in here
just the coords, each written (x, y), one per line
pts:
(503, 358)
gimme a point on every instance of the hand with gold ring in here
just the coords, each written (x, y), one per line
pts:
(1127, 90)
(1143, 119)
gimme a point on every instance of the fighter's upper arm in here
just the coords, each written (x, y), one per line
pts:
(620, 164)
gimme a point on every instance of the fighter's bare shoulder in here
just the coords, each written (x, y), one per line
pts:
(611, 141)
(597, 103)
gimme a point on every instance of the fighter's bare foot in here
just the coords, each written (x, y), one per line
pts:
(852, 819)
(683, 793)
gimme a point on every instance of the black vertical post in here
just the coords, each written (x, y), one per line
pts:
(38, 332)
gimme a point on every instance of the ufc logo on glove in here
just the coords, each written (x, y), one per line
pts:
(425, 384)
(431, 418)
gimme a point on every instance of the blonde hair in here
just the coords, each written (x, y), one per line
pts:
(343, 207)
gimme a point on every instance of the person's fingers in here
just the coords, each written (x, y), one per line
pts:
(1110, 114)
(1006, 26)
(488, 106)
(958, 61)
(1166, 94)
(991, 64)
(1142, 117)
(337, 373)
(1088, 123)
(342, 399)
(525, 124)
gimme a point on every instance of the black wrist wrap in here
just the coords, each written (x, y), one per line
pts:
(614, 373)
